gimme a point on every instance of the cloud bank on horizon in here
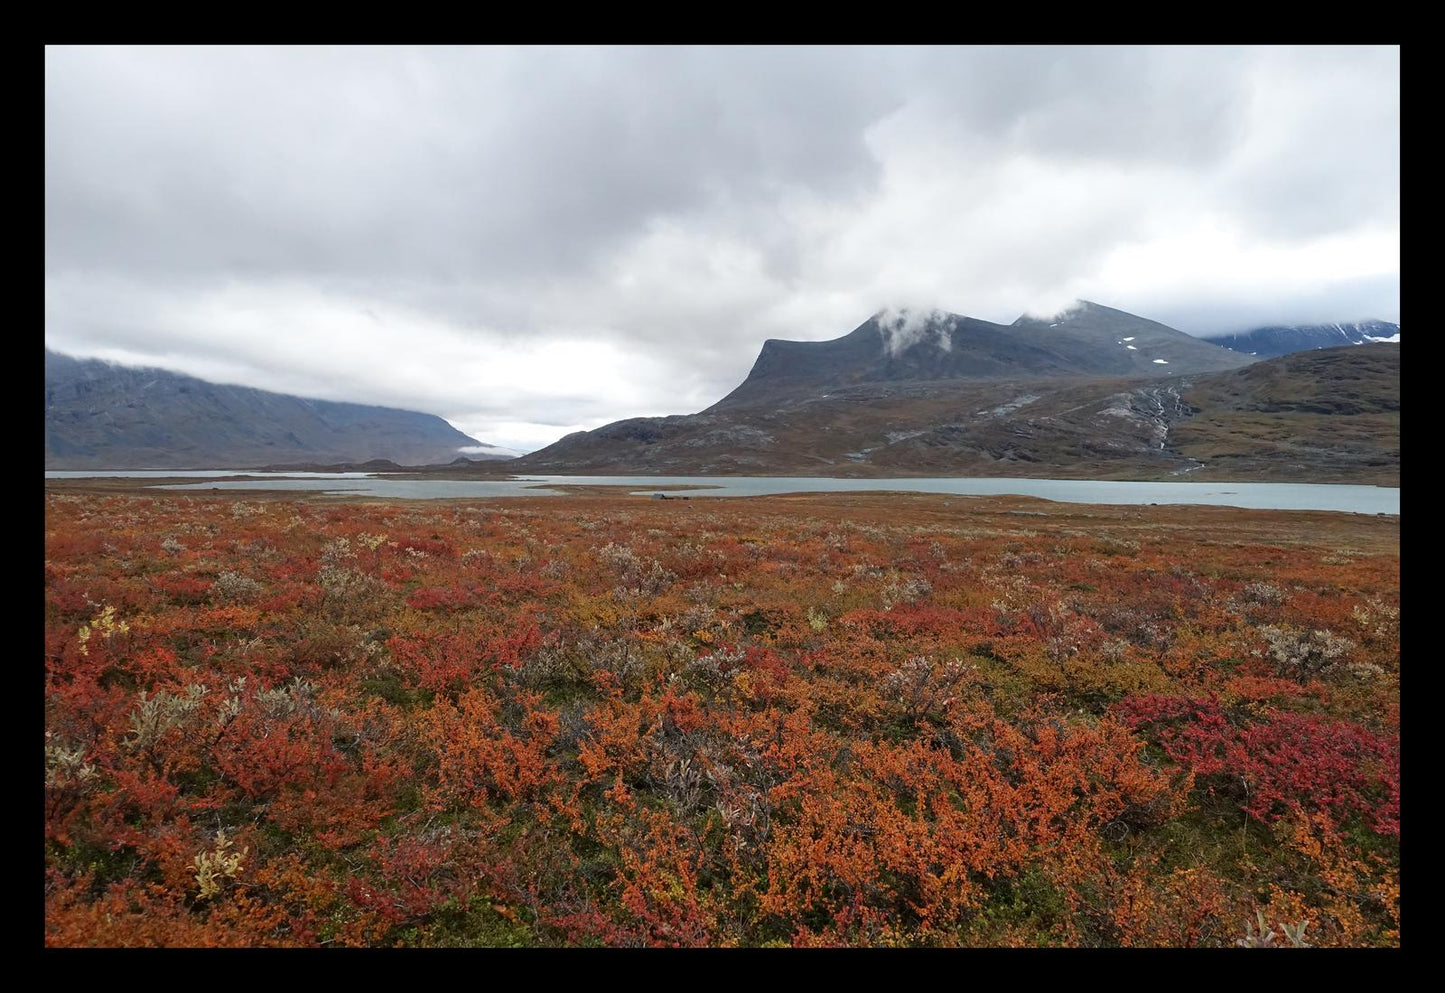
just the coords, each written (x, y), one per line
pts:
(534, 241)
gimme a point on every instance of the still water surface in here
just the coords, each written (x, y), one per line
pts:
(1255, 496)
(191, 474)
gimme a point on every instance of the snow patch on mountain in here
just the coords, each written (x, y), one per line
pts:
(1275, 340)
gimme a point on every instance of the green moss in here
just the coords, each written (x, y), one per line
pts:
(475, 923)
(1028, 902)
(389, 687)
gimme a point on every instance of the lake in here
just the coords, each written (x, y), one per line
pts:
(1255, 496)
(191, 474)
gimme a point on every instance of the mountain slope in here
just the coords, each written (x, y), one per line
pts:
(1281, 339)
(1087, 340)
(1328, 415)
(1332, 413)
(100, 415)
(1121, 343)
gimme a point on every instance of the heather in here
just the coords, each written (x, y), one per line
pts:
(823, 720)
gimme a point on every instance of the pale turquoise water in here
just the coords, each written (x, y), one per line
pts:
(1255, 496)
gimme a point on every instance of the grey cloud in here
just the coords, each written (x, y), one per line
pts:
(497, 234)
(1345, 301)
(446, 164)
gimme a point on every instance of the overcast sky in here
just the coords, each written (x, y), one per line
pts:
(532, 241)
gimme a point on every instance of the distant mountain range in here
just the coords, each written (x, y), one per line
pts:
(1093, 392)
(99, 415)
(1090, 392)
(1283, 339)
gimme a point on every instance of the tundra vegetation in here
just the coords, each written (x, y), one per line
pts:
(822, 720)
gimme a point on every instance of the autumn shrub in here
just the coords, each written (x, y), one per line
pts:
(232, 587)
(925, 689)
(1302, 654)
(1287, 763)
(816, 721)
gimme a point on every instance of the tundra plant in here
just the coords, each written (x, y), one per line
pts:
(212, 867)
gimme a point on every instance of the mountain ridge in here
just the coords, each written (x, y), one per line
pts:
(1086, 339)
(853, 406)
(1281, 339)
(105, 415)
